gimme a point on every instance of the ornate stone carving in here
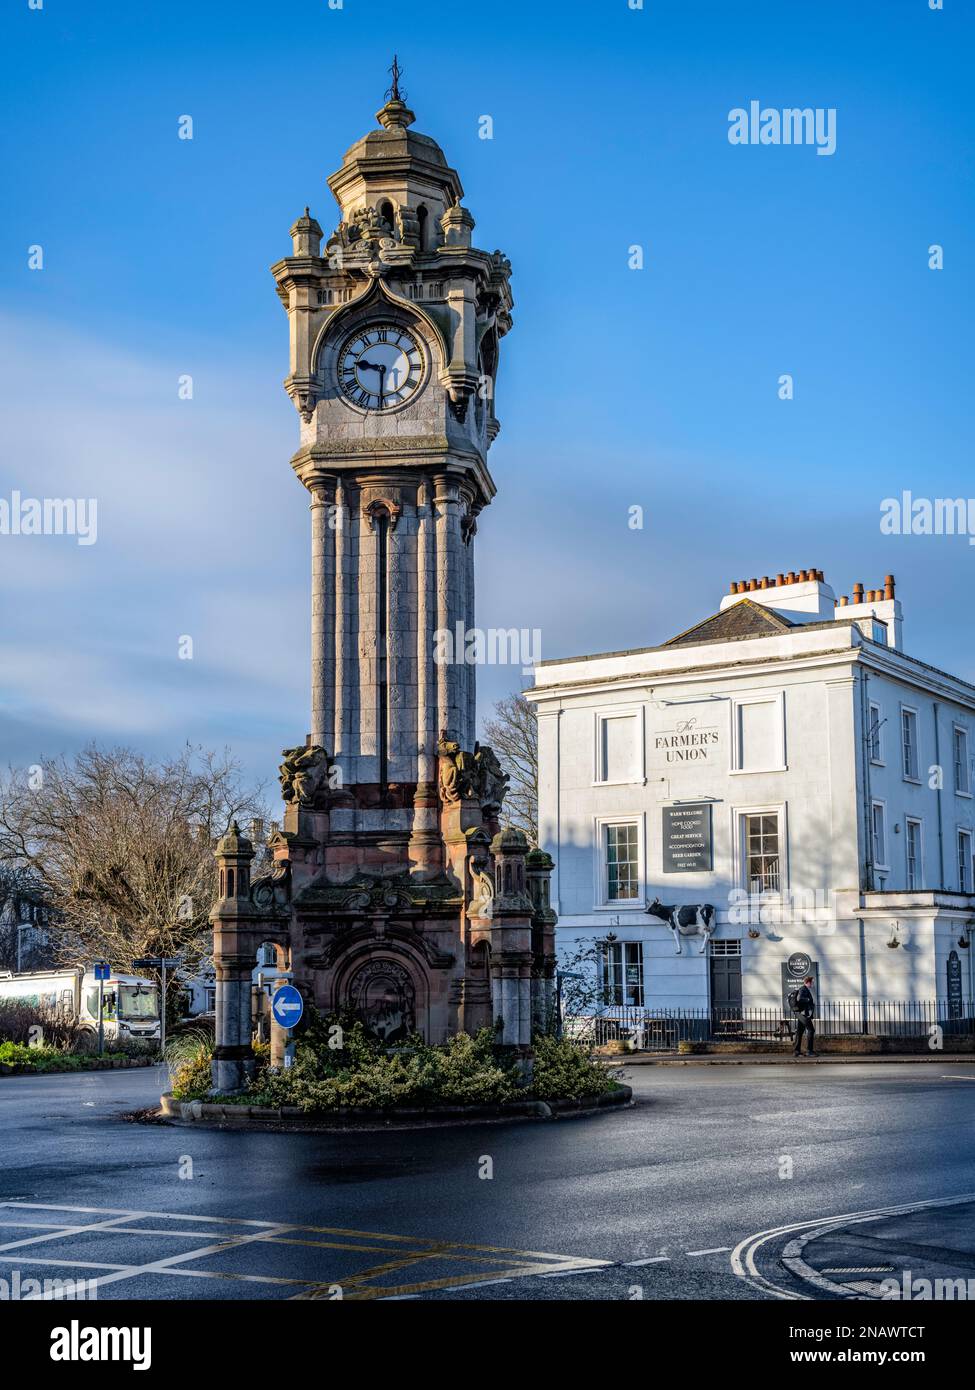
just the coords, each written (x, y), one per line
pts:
(492, 780)
(458, 772)
(304, 776)
(481, 875)
(272, 892)
(476, 776)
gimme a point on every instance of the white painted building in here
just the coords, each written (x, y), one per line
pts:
(778, 760)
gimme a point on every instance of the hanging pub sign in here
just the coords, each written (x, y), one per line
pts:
(687, 838)
(794, 971)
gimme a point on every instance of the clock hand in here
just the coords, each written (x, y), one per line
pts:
(371, 366)
(382, 382)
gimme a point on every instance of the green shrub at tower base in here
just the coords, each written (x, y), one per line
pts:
(338, 1065)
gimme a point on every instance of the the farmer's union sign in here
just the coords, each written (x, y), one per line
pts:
(686, 742)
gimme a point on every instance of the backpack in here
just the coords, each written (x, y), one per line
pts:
(794, 1000)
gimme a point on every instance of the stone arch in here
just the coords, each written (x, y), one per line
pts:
(423, 222)
(387, 986)
(387, 212)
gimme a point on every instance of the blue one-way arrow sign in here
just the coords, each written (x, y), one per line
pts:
(287, 1006)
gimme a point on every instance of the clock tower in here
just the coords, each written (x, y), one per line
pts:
(393, 894)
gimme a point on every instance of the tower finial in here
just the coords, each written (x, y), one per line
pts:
(394, 93)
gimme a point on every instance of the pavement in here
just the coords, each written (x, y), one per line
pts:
(706, 1188)
(784, 1059)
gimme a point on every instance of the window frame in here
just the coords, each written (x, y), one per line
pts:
(966, 763)
(878, 759)
(737, 703)
(962, 832)
(602, 902)
(635, 712)
(625, 948)
(915, 713)
(878, 803)
(740, 815)
(910, 821)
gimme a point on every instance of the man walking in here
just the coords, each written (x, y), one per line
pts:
(804, 1007)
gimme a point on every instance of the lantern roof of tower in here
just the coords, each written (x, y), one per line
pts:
(233, 841)
(394, 149)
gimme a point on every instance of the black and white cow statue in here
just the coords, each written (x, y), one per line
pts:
(693, 919)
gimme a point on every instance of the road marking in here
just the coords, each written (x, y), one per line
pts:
(743, 1256)
(222, 1235)
(861, 1269)
(950, 1076)
(716, 1250)
(653, 1260)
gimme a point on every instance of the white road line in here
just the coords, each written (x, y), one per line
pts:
(743, 1256)
(215, 1248)
(949, 1076)
(567, 1273)
(717, 1250)
(268, 1233)
(653, 1260)
(458, 1288)
(65, 1231)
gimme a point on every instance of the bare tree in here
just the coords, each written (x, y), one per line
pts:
(123, 847)
(513, 734)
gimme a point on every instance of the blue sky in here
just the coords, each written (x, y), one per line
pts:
(617, 387)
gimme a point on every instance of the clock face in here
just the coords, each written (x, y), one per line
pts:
(381, 367)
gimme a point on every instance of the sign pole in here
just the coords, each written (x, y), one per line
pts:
(101, 1013)
(162, 1013)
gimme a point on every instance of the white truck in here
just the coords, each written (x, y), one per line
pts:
(130, 1004)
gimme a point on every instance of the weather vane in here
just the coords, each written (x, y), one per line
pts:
(394, 93)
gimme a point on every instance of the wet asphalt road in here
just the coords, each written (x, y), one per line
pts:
(706, 1158)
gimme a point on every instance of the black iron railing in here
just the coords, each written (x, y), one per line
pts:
(663, 1029)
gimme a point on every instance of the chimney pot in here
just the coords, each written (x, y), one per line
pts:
(764, 583)
(734, 587)
(791, 577)
(888, 586)
(779, 579)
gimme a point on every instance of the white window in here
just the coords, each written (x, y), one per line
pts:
(726, 948)
(874, 739)
(909, 746)
(915, 868)
(964, 861)
(758, 734)
(623, 972)
(619, 746)
(963, 768)
(621, 862)
(879, 832)
(762, 852)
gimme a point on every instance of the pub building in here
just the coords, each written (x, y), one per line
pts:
(787, 762)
